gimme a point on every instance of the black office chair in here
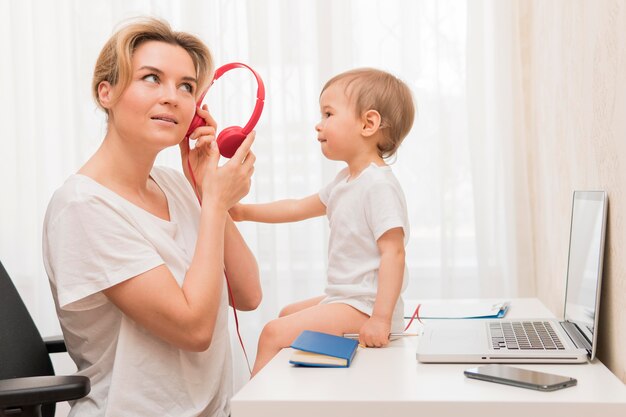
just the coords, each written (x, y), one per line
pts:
(28, 387)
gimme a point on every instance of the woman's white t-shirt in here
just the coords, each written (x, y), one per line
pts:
(360, 211)
(94, 239)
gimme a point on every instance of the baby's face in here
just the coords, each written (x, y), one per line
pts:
(339, 125)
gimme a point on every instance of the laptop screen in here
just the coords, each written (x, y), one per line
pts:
(584, 267)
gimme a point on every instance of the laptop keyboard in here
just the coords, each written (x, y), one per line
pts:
(524, 335)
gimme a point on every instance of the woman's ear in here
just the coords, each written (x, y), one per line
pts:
(371, 123)
(105, 94)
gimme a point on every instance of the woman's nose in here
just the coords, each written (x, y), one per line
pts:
(169, 94)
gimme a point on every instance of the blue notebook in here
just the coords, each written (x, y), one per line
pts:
(323, 350)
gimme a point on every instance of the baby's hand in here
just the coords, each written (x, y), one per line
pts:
(375, 332)
(236, 212)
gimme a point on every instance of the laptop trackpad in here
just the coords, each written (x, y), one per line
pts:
(450, 337)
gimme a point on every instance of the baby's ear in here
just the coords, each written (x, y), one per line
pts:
(371, 122)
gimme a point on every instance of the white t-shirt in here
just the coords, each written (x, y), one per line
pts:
(359, 212)
(94, 239)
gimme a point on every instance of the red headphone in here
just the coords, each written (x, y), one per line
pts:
(230, 138)
(228, 142)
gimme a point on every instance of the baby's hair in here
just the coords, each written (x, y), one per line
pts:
(373, 89)
(114, 62)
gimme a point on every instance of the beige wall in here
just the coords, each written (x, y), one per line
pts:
(574, 79)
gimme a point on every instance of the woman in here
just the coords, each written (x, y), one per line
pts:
(137, 267)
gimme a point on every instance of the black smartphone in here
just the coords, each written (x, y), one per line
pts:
(518, 377)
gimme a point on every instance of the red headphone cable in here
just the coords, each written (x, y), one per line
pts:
(230, 292)
(416, 315)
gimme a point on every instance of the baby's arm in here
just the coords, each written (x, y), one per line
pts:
(375, 331)
(282, 211)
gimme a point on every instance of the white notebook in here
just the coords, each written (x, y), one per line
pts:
(456, 309)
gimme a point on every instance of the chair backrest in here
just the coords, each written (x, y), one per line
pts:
(22, 350)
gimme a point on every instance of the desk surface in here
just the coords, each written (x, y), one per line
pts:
(390, 382)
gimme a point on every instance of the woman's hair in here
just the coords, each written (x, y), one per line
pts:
(114, 62)
(373, 89)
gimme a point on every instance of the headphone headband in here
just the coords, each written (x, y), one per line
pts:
(231, 137)
(260, 92)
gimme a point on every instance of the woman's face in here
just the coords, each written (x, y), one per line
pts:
(156, 108)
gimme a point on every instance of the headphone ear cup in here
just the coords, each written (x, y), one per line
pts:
(229, 140)
(196, 122)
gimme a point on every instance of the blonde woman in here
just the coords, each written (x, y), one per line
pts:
(136, 265)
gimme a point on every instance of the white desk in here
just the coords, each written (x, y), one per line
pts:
(390, 382)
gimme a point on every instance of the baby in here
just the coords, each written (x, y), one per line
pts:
(366, 113)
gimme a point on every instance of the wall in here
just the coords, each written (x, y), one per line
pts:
(573, 56)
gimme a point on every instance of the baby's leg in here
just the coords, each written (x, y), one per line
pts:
(328, 318)
(300, 305)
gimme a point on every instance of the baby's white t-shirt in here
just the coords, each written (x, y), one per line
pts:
(94, 239)
(359, 211)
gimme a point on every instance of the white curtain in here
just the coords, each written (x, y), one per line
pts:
(497, 141)
(461, 166)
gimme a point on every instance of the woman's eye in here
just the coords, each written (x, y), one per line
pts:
(187, 87)
(151, 78)
(327, 114)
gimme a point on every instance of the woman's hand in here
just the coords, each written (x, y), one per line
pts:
(223, 187)
(227, 184)
(198, 157)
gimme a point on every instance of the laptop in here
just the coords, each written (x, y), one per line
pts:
(571, 340)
